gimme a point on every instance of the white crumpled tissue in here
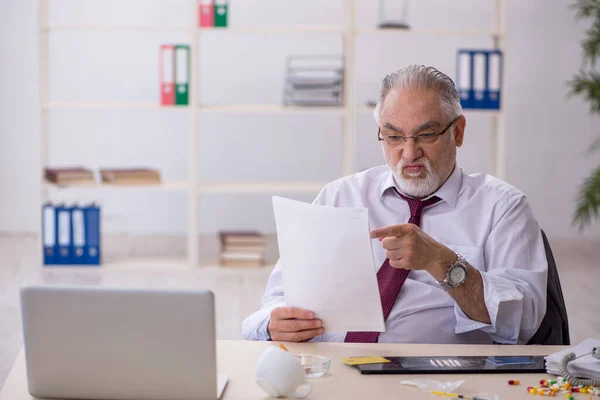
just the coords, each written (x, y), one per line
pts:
(432, 384)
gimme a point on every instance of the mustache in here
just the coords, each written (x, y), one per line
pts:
(423, 161)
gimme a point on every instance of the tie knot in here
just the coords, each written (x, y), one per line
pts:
(416, 207)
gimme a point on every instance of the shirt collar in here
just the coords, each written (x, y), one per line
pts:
(448, 191)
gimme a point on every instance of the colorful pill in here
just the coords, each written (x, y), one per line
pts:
(513, 382)
(533, 391)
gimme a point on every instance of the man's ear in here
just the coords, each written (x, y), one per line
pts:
(459, 130)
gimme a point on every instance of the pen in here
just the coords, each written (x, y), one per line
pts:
(455, 395)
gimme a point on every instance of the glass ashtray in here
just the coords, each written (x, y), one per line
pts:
(315, 366)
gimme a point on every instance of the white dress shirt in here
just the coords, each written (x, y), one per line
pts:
(487, 221)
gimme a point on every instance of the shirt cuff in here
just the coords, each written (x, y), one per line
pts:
(503, 301)
(260, 320)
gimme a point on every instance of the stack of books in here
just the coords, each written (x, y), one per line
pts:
(242, 249)
(69, 176)
(314, 81)
(130, 176)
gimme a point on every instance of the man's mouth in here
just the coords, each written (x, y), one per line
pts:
(412, 168)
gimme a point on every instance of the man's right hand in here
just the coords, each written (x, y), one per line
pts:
(293, 324)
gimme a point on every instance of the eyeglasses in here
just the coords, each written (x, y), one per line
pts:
(425, 138)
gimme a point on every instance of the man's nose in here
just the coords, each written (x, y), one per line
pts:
(411, 150)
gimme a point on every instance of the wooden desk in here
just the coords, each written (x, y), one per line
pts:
(237, 359)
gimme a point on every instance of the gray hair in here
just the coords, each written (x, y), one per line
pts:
(421, 77)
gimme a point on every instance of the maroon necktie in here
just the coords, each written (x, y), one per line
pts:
(391, 279)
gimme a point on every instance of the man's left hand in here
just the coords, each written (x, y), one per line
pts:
(408, 247)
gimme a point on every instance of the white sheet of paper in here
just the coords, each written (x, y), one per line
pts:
(327, 264)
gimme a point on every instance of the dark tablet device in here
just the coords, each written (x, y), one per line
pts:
(457, 365)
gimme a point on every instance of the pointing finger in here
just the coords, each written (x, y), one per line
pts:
(392, 230)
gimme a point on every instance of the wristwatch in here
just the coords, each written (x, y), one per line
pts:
(456, 274)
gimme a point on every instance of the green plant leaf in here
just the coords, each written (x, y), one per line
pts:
(586, 8)
(587, 85)
(594, 146)
(591, 44)
(588, 200)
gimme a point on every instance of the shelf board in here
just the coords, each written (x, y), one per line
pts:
(134, 28)
(466, 111)
(218, 187)
(162, 264)
(262, 187)
(481, 111)
(273, 29)
(272, 109)
(225, 109)
(162, 28)
(167, 185)
(270, 29)
(75, 105)
(147, 263)
(430, 32)
(259, 108)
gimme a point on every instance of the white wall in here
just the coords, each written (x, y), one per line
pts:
(547, 133)
(19, 195)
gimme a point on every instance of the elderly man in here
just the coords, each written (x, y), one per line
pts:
(462, 258)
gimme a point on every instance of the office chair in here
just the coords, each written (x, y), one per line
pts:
(554, 329)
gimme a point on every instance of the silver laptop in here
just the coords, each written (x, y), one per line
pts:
(103, 343)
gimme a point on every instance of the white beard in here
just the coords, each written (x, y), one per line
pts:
(415, 186)
(423, 187)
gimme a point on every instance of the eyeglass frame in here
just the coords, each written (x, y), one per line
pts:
(416, 137)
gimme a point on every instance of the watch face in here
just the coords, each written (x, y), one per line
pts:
(457, 274)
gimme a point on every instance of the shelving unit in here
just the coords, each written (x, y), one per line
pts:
(262, 108)
(348, 30)
(165, 185)
(433, 32)
(261, 187)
